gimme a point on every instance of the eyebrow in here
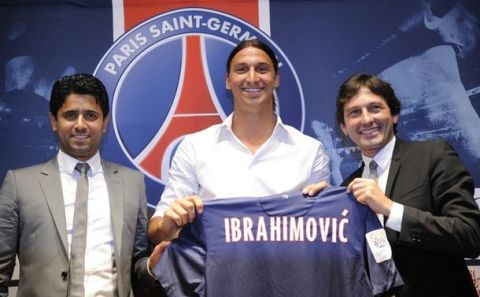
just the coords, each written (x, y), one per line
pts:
(351, 108)
(256, 63)
(78, 111)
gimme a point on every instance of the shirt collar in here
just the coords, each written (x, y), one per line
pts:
(67, 163)
(383, 157)
(226, 127)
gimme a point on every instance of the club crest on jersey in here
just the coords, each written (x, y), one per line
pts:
(166, 79)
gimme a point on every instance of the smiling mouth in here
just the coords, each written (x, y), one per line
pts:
(369, 132)
(252, 90)
(80, 137)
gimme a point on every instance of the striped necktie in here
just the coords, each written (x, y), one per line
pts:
(372, 166)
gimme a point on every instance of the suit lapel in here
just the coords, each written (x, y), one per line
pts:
(52, 190)
(116, 197)
(355, 174)
(394, 167)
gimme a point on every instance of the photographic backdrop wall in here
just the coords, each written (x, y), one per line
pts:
(163, 62)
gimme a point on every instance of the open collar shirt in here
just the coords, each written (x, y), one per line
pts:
(214, 163)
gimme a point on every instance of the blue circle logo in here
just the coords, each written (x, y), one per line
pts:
(166, 78)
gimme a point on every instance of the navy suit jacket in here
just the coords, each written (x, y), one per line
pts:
(441, 220)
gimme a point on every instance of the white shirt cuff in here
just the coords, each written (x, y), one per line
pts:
(394, 221)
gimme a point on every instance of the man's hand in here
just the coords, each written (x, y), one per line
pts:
(156, 254)
(181, 212)
(367, 191)
(314, 189)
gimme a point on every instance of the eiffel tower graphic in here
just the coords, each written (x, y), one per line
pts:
(194, 108)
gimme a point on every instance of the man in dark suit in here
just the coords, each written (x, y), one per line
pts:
(37, 207)
(420, 190)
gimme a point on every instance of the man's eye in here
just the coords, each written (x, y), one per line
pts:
(70, 115)
(263, 68)
(241, 69)
(354, 113)
(91, 116)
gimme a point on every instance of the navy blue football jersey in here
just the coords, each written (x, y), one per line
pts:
(284, 245)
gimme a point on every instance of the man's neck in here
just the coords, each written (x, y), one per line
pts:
(384, 153)
(253, 129)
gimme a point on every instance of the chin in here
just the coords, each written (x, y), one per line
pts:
(371, 144)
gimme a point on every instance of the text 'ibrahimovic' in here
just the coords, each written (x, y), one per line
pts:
(286, 228)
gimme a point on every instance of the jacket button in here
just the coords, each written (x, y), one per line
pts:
(415, 237)
(64, 275)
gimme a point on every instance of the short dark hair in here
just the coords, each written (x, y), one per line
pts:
(352, 86)
(256, 44)
(81, 83)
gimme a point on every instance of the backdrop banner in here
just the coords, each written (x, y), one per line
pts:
(163, 63)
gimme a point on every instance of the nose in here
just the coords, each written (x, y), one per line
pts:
(252, 74)
(366, 117)
(80, 123)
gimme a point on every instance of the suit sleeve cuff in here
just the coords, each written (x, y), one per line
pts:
(150, 272)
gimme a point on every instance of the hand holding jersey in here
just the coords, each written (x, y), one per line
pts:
(367, 192)
(181, 212)
(314, 189)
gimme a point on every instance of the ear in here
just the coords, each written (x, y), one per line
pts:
(105, 123)
(344, 129)
(276, 82)
(395, 119)
(227, 82)
(53, 122)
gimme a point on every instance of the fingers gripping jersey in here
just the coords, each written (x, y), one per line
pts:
(283, 245)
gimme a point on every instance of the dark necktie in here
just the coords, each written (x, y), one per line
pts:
(372, 166)
(79, 235)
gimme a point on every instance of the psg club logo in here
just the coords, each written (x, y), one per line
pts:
(166, 79)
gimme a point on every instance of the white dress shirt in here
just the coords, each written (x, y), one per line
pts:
(214, 163)
(383, 159)
(100, 273)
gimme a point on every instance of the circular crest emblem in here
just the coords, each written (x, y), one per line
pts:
(166, 78)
